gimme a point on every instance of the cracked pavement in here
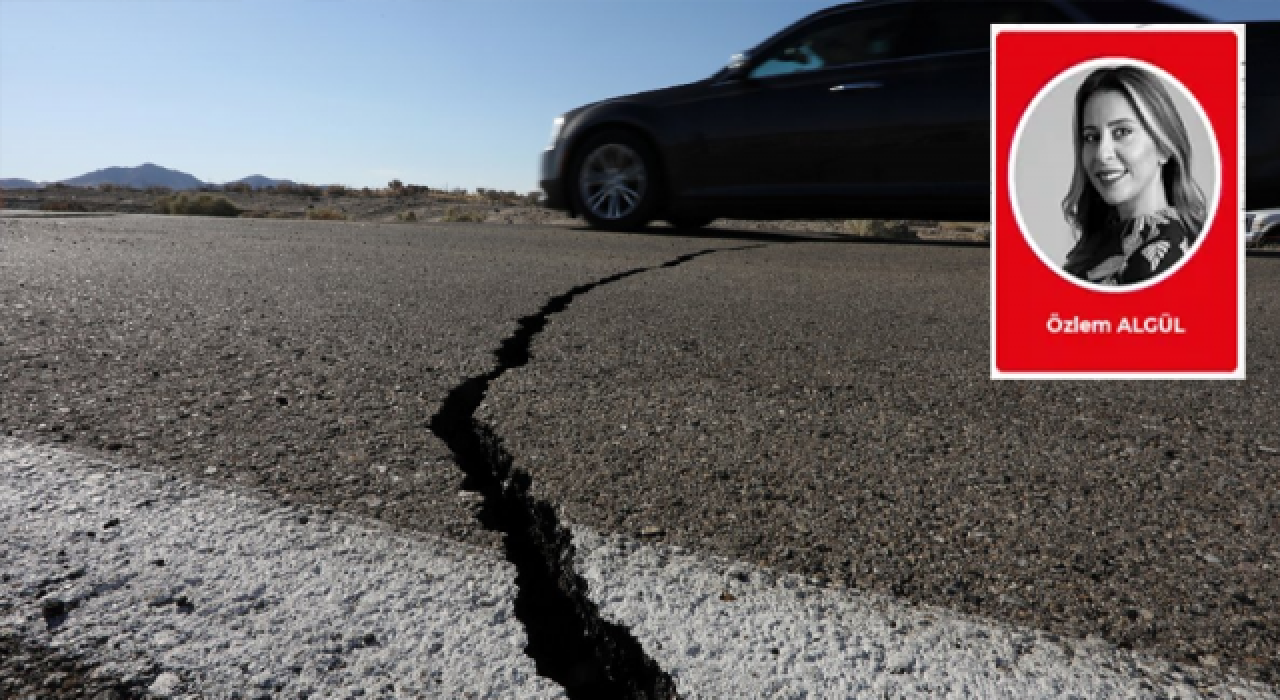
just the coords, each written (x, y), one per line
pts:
(818, 408)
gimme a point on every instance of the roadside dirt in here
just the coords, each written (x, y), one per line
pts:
(432, 207)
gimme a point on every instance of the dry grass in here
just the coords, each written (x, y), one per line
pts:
(880, 228)
(326, 214)
(204, 205)
(63, 205)
(266, 214)
(441, 196)
(962, 227)
(459, 214)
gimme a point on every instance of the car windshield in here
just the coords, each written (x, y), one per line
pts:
(840, 40)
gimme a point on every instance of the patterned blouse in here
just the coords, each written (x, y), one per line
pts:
(1139, 249)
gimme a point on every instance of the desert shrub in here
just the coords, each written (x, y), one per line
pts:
(326, 214)
(963, 227)
(408, 216)
(309, 190)
(204, 205)
(881, 228)
(502, 196)
(63, 205)
(158, 189)
(461, 214)
(239, 187)
(335, 191)
(395, 186)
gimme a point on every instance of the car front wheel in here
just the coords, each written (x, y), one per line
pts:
(615, 181)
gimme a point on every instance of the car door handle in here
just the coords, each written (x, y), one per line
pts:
(855, 86)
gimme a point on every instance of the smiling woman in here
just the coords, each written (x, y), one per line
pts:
(1121, 202)
(1132, 198)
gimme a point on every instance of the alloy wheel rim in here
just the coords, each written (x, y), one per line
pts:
(613, 181)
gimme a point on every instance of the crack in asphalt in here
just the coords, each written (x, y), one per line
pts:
(569, 642)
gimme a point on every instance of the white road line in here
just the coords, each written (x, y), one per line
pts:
(330, 608)
(774, 636)
(251, 600)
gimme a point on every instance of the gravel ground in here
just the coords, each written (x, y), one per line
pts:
(426, 207)
(822, 409)
(825, 409)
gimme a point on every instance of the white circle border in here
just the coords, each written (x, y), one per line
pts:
(1211, 212)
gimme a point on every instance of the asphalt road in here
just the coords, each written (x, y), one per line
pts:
(818, 407)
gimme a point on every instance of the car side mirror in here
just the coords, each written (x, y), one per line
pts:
(736, 68)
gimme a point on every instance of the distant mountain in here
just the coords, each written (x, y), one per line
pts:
(145, 175)
(17, 183)
(141, 177)
(257, 182)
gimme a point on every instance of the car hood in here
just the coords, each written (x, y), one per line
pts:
(661, 97)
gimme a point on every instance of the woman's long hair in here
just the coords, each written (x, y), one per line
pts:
(1084, 208)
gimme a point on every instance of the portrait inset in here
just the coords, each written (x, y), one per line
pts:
(1115, 174)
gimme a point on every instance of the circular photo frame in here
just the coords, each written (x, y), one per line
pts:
(1044, 158)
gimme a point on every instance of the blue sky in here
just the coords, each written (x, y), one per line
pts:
(435, 92)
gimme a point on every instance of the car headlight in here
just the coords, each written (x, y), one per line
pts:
(556, 125)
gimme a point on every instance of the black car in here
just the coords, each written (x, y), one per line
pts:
(874, 109)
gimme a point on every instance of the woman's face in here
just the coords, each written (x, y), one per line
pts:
(1121, 158)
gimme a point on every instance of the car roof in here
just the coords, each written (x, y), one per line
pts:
(1106, 7)
(1116, 10)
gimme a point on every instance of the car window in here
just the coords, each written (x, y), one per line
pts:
(853, 37)
(962, 25)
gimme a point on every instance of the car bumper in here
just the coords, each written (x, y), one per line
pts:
(554, 195)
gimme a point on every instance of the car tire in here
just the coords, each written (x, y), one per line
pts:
(616, 181)
(690, 222)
